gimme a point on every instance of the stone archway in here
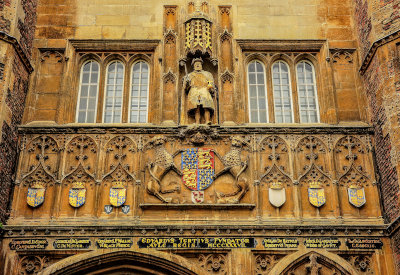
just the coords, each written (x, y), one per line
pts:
(124, 262)
(313, 262)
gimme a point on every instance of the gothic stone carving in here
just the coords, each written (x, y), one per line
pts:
(162, 164)
(234, 165)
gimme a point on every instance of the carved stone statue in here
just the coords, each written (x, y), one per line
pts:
(201, 88)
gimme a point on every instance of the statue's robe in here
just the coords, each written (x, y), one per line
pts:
(199, 95)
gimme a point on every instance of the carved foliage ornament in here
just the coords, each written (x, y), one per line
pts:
(32, 264)
(213, 263)
(264, 263)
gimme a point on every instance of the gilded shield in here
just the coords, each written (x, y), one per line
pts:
(77, 195)
(277, 195)
(356, 196)
(316, 196)
(117, 196)
(35, 195)
(197, 168)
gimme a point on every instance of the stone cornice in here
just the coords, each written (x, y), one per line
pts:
(373, 49)
(393, 227)
(138, 230)
(153, 129)
(17, 47)
(114, 45)
(280, 45)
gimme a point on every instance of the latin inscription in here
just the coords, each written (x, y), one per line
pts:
(28, 244)
(71, 243)
(114, 242)
(322, 243)
(280, 243)
(364, 243)
(197, 243)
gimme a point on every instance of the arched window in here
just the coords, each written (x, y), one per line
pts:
(88, 92)
(282, 93)
(139, 96)
(257, 93)
(114, 87)
(307, 90)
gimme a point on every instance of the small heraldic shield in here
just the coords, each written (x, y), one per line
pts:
(356, 195)
(117, 194)
(197, 168)
(197, 196)
(35, 195)
(77, 194)
(316, 194)
(277, 194)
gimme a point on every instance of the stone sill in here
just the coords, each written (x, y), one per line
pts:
(197, 206)
(142, 128)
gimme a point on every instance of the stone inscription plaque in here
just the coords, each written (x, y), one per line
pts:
(71, 243)
(197, 243)
(322, 243)
(28, 244)
(114, 243)
(280, 243)
(364, 243)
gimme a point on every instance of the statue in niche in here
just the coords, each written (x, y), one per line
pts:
(200, 87)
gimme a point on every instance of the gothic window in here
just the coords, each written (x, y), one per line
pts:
(88, 92)
(307, 91)
(257, 93)
(282, 93)
(114, 87)
(139, 95)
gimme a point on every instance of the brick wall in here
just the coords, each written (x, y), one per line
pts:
(15, 102)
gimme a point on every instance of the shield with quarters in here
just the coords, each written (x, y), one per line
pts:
(117, 194)
(77, 194)
(35, 196)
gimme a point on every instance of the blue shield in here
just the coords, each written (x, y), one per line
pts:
(77, 197)
(35, 196)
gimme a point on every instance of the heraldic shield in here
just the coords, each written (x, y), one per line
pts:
(35, 195)
(197, 168)
(277, 194)
(117, 195)
(77, 194)
(316, 195)
(356, 196)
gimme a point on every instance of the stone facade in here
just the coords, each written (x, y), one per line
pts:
(239, 192)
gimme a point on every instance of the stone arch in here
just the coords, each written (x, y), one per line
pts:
(108, 261)
(323, 258)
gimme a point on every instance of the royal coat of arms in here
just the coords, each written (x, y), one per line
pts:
(198, 171)
(356, 195)
(77, 194)
(117, 194)
(35, 195)
(316, 194)
(277, 194)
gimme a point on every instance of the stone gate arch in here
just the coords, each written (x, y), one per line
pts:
(315, 262)
(124, 262)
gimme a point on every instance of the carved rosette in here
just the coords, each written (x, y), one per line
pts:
(213, 263)
(32, 264)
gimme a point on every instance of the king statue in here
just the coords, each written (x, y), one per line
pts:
(200, 85)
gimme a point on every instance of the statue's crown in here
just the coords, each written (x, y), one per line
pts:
(197, 59)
